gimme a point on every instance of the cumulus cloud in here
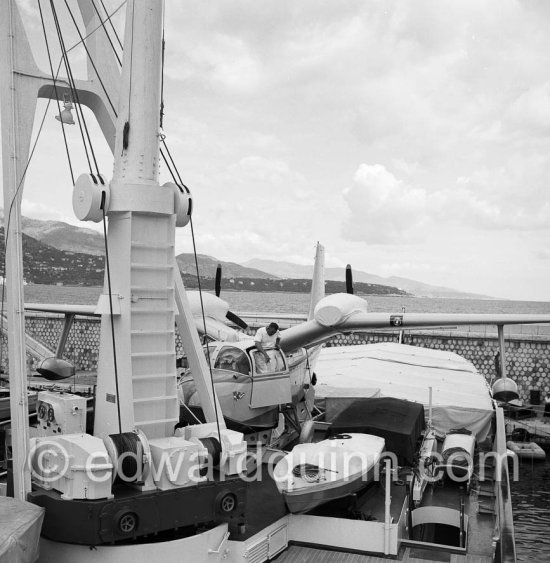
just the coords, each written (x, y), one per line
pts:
(385, 209)
(382, 209)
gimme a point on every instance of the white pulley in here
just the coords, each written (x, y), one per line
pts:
(183, 203)
(88, 195)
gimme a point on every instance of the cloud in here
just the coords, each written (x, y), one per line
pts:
(530, 111)
(513, 196)
(382, 209)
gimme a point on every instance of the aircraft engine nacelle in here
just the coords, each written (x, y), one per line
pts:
(334, 309)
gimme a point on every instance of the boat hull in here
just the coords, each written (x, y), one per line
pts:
(298, 503)
(316, 473)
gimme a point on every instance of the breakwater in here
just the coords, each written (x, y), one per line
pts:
(527, 355)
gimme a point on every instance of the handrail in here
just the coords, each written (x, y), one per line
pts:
(506, 546)
(224, 539)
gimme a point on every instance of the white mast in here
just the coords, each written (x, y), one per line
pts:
(14, 122)
(140, 390)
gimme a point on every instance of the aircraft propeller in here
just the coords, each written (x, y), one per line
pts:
(230, 316)
(349, 280)
(218, 282)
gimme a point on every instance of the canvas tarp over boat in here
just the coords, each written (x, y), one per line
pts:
(460, 395)
(399, 422)
(20, 524)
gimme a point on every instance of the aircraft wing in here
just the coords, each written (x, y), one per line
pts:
(341, 313)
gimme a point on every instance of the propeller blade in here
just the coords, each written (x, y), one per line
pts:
(349, 280)
(218, 282)
(235, 319)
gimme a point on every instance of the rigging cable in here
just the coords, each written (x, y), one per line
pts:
(103, 195)
(108, 272)
(162, 80)
(204, 326)
(126, 130)
(78, 108)
(54, 78)
(110, 21)
(90, 58)
(7, 230)
(102, 24)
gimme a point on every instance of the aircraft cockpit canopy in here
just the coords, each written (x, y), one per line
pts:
(233, 359)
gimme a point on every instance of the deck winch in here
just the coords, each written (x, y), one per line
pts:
(131, 457)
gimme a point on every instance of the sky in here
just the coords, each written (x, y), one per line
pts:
(409, 138)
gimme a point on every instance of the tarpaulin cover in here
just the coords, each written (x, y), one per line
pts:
(399, 422)
(20, 524)
(461, 397)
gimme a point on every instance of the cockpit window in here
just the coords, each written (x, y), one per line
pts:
(275, 364)
(233, 359)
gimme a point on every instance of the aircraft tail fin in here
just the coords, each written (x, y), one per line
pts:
(318, 280)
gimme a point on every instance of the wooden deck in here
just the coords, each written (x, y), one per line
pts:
(301, 554)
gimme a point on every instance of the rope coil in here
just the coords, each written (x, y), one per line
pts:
(126, 452)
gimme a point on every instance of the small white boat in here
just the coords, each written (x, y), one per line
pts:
(526, 450)
(312, 474)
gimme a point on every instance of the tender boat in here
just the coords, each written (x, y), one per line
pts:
(313, 474)
(527, 450)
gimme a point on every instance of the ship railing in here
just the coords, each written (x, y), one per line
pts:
(506, 547)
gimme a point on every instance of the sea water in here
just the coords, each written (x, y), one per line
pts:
(531, 504)
(282, 302)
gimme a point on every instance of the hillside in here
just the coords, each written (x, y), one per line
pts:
(64, 236)
(419, 289)
(286, 285)
(83, 265)
(208, 265)
(44, 264)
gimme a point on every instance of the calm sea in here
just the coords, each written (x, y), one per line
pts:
(531, 502)
(299, 303)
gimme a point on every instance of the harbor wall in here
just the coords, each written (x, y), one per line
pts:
(527, 356)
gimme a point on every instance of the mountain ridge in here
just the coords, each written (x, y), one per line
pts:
(419, 289)
(81, 240)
